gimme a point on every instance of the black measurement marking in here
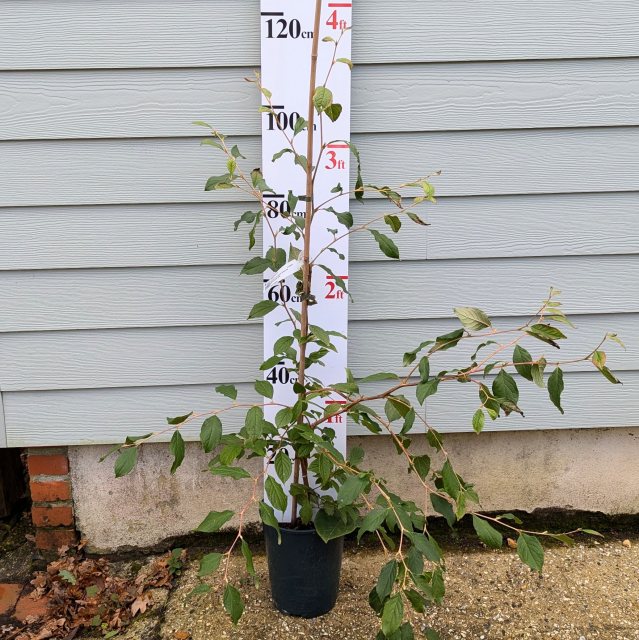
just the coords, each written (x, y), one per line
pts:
(281, 292)
(281, 375)
(272, 13)
(284, 28)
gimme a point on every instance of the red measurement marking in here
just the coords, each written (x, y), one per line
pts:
(337, 146)
(335, 419)
(340, 4)
(333, 277)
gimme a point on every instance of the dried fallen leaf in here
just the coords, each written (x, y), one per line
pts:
(140, 604)
(511, 543)
(182, 635)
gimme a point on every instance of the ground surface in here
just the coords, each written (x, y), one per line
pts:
(590, 591)
(587, 592)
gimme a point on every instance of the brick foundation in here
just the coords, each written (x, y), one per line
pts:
(52, 510)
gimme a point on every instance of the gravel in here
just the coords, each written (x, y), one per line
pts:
(588, 591)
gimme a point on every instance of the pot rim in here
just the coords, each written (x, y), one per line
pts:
(298, 532)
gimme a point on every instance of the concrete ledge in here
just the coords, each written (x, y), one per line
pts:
(589, 470)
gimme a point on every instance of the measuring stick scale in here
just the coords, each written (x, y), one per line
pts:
(286, 42)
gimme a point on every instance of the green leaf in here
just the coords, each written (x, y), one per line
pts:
(422, 466)
(280, 153)
(615, 338)
(179, 419)
(233, 603)
(209, 564)
(426, 389)
(448, 341)
(386, 580)
(426, 546)
(237, 473)
(268, 518)
(487, 533)
(275, 493)
(345, 61)
(333, 111)
(333, 526)
(67, 576)
(258, 181)
(248, 558)
(504, 386)
(199, 590)
(214, 521)
(299, 126)
(283, 466)
(235, 152)
(479, 420)
(262, 308)
(264, 388)
(424, 369)
(227, 390)
(392, 615)
(530, 551)
(416, 219)
(217, 183)
(591, 532)
(322, 99)
(472, 318)
(125, 462)
(393, 222)
(351, 490)
(255, 265)
(345, 218)
(537, 372)
(211, 433)
(546, 333)
(521, 356)
(451, 482)
(386, 245)
(379, 377)
(555, 387)
(355, 456)
(373, 520)
(177, 449)
(442, 506)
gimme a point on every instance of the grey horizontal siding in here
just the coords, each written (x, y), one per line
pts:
(178, 296)
(108, 415)
(107, 33)
(119, 274)
(202, 234)
(588, 401)
(164, 102)
(155, 235)
(473, 163)
(3, 432)
(199, 355)
(542, 225)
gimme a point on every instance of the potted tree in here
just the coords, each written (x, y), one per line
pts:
(328, 494)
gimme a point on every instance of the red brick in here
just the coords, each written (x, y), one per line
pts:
(9, 594)
(55, 465)
(54, 516)
(27, 607)
(50, 491)
(53, 539)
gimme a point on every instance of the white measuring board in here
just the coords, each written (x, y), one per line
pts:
(286, 38)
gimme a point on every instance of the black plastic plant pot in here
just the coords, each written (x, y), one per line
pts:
(304, 571)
